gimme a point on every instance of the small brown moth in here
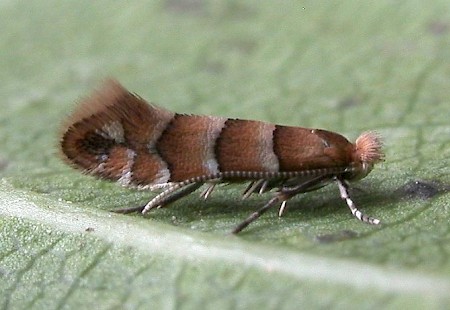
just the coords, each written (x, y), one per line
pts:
(116, 135)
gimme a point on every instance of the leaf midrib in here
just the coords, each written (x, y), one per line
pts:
(166, 240)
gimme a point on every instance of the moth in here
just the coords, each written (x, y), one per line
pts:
(116, 135)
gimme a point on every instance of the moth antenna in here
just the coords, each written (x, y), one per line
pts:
(343, 189)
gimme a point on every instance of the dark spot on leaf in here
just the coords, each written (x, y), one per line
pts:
(89, 229)
(422, 189)
(399, 48)
(214, 67)
(3, 163)
(194, 7)
(239, 46)
(438, 27)
(237, 10)
(338, 236)
(349, 102)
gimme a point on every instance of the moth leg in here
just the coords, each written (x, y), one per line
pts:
(207, 191)
(167, 200)
(170, 195)
(294, 190)
(284, 194)
(343, 189)
(180, 194)
(253, 187)
(282, 208)
(249, 189)
(255, 215)
(128, 210)
(303, 187)
(263, 187)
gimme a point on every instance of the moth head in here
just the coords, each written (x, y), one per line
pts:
(367, 153)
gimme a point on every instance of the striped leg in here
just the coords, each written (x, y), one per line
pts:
(343, 189)
(170, 195)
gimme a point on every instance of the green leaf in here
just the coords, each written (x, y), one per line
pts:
(345, 66)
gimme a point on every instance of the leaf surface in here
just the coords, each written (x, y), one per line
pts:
(343, 66)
